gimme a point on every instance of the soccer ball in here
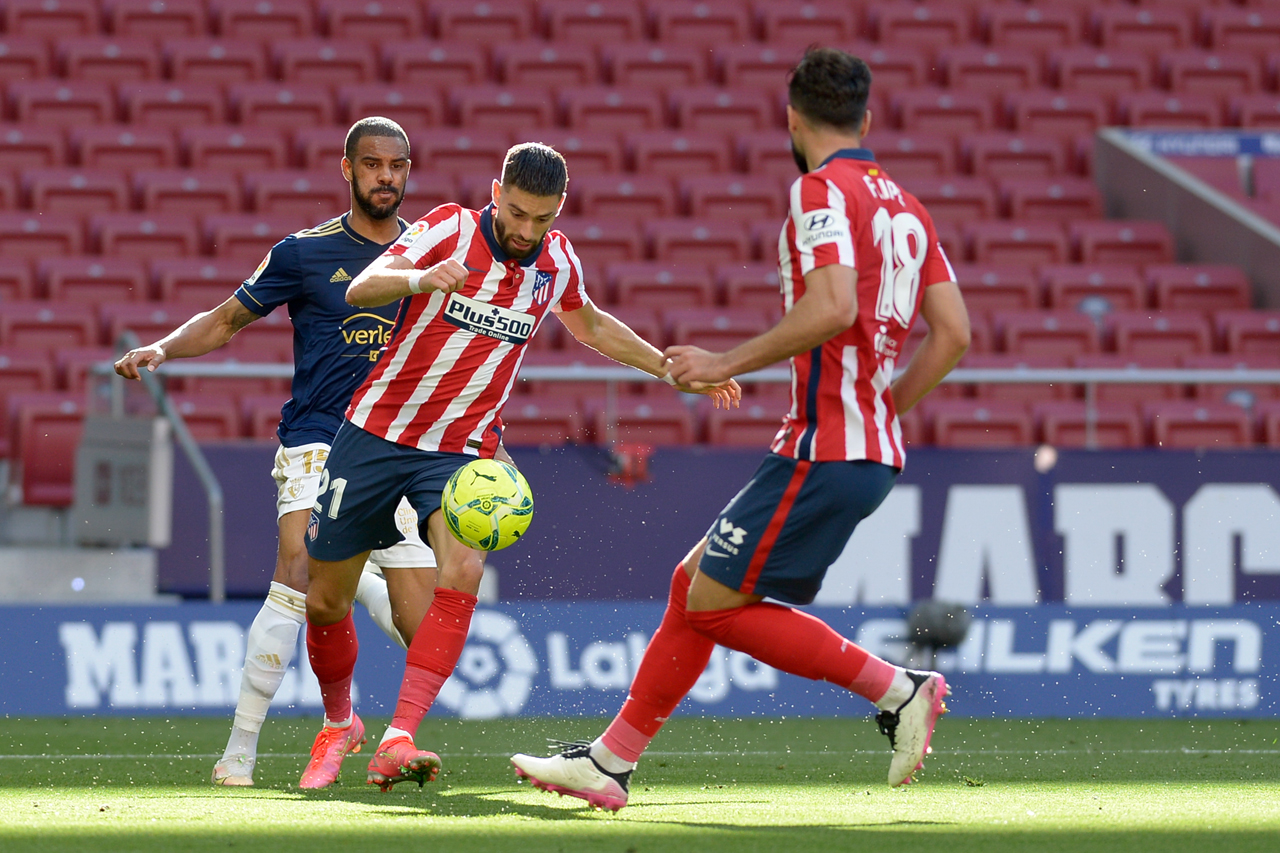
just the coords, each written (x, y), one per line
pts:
(487, 504)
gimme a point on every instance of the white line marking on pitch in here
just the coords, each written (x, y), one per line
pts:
(1101, 752)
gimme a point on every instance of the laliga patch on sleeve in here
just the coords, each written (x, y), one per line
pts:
(818, 227)
(256, 273)
(513, 327)
(413, 232)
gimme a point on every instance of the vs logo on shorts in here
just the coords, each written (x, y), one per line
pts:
(541, 288)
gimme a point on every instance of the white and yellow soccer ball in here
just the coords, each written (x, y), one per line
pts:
(487, 504)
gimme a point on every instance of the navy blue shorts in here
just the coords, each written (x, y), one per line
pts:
(364, 478)
(786, 527)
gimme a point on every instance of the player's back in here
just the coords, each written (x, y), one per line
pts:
(850, 212)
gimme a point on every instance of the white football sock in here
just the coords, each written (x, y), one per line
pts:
(392, 733)
(606, 759)
(899, 691)
(372, 593)
(269, 648)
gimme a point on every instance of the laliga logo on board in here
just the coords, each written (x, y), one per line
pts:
(494, 676)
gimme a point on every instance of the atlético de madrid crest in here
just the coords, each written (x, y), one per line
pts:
(541, 287)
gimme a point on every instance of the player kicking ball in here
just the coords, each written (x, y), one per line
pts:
(335, 345)
(859, 260)
(480, 283)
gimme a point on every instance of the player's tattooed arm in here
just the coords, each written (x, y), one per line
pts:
(393, 277)
(202, 334)
(942, 348)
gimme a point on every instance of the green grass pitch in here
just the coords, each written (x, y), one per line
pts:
(708, 785)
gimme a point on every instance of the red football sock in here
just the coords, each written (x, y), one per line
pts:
(432, 655)
(676, 656)
(332, 650)
(795, 642)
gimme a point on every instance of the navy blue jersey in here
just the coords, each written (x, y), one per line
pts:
(334, 344)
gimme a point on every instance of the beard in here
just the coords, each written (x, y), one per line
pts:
(365, 202)
(501, 233)
(801, 163)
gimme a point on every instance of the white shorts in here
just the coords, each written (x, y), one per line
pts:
(297, 474)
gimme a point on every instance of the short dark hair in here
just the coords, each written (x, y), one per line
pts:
(373, 126)
(830, 87)
(535, 168)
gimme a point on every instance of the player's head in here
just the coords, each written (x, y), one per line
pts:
(528, 198)
(827, 93)
(376, 163)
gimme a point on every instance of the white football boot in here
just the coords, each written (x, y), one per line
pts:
(574, 772)
(235, 771)
(911, 726)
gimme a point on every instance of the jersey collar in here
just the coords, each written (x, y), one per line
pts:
(495, 248)
(345, 219)
(850, 154)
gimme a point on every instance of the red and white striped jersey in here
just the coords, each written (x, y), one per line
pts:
(442, 381)
(849, 212)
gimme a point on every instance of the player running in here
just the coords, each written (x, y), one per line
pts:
(854, 254)
(480, 284)
(334, 347)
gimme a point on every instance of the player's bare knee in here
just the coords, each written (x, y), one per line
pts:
(463, 573)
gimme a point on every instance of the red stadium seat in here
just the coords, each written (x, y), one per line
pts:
(920, 25)
(94, 280)
(1198, 287)
(1006, 155)
(539, 64)
(541, 421)
(1017, 243)
(9, 196)
(754, 424)
(592, 22)
(1243, 30)
(111, 147)
(24, 235)
(896, 66)
(413, 108)
(676, 241)
(588, 153)
(1130, 392)
(979, 331)
(1164, 335)
(188, 192)
(372, 23)
(489, 22)
(1199, 425)
(317, 148)
(210, 60)
(16, 281)
(62, 103)
(730, 198)
(316, 196)
(908, 156)
(942, 111)
(173, 105)
(21, 372)
(209, 417)
(705, 22)
(108, 59)
(1046, 333)
(248, 237)
(1244, 394)
(197, 281)
(955, 199)
(1255, 111)
(616, 110)
(1269, 423)
(252, 20)
(73, 365)
(168, 19)
(1107, 72)
(23, 59)
(234, 148)
(824, 21)
(1022, 392)
(1122, 242)
(46, 326)
(767, 153)
(660, 285)
(1249, 332)
(624, 197)
(260, 414)
(991, 287)
(511, 109)
(992, 69)
(1157, 109)
(723, 110)
(642, 65)
(324, 62)
(435, 64)
(1142, 30)
(749, 285)
(42, 19)
(1034, 28)
(428, 191)
(645, 420)
(979, 423)
(673, 153)
(1058, 114)
(1095, 289)
(1056, 199)
(144, 235)
(761, 66)
(457, 152)
(602, 241)
(76, 191)
(715, 329)
(642, 320)
(1065, 424)
(48, 427)
(1198, 72)
(272, 104)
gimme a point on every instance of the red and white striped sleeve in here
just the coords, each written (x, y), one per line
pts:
(426, 238)
(937, 267)
(575, 292)
(821, 216)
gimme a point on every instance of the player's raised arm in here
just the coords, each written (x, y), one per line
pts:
(393, 277)
(943, 346)
(202, 334)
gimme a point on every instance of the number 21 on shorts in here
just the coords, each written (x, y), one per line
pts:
(338, 485)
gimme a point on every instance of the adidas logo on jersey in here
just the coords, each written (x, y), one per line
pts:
(340, 275)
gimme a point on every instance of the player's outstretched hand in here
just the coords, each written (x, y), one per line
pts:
(447, 276)
(700, 372)
(149, 357)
